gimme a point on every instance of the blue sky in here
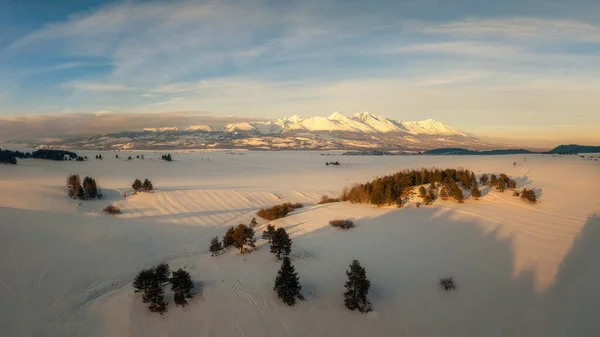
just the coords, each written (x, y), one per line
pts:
(523, 70)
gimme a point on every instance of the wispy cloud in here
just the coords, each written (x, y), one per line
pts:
(99, 87)
(515, 28)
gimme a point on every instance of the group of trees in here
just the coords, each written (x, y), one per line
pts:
(327, 200)
(10, 156)
(390, 190)
(238, 237)
(83, 191)
(99, 156)
(334, 163)
(166, 157)
(150, 283)
(146, 186)
(500, 183)
(278, 211)
(529, 196)
(53, 154)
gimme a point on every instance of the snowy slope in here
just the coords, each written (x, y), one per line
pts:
(431, 127)
(240, 126)
(378, 123)
(356, 125)
(201, 127)
(521, 270)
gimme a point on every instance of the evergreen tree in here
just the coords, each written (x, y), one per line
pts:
(100, 156)
(443, 194)
(357, 288)
(161, 273)
(475, 192)
(155, 295)
(181, 285)
(228, 238)
(287, 283)
(143, 279)
(493, 180)
(89, 188)
(473, 180)
(147, 185)
(253, 223)
(137, 185)
(215, 246)
(484, 179)
(268, 233)
(281, 244)
(81, 193)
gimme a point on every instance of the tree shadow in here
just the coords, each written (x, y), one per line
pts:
(571, 306)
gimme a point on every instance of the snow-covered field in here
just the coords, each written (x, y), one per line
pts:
(521, 270)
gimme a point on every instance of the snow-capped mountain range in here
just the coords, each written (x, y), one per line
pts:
(362, 122)
(363, 130)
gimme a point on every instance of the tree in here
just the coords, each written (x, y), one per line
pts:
(73, 185)
(475, 192)
(443, 194)
(228, 238)
(253, 223)
(493, 180)
(89, 188)
(100, 156)
(182, 286)
(287, 283)
(137, 185)
(357, 288)
(161, 273)
(143, 279)
(268, 233)
(147, 185)
(155, 295)
(281, 244)
(243, 235)
(215, 246)
(117, 156)
(483, 180)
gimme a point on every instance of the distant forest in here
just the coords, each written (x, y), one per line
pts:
(10, 156)
(461, 151)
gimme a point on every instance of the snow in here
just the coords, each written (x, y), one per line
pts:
(201, 127)
(240, 126)
(431, 127)
(267, 128)
(162, 129)
(521, 270)
(380, 124)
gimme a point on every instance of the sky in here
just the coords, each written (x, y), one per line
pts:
(520, 71)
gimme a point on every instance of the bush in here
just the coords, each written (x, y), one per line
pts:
(343, 224)
(110, 209)
(278, 211)
(447, 283)
(327, 200)
(516, 193)
(418, 204)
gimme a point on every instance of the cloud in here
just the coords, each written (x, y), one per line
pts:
(100, 87)
(525, 28)
(81, 124)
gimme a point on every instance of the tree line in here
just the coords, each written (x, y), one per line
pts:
(50, 154)
(278, 211)
(150, 282)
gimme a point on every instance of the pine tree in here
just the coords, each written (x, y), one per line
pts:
(215, 246)
(268, 233)
(287, 283)
(137, 185)
(81, 193)
(253, 223)
(89, 188)
(142, 280)
(155, 295)
(484, 179)
(281, 244)
(161, 273)
(147, 186)
(73, 185)
(443, 194)
(181, 285)
(357, 288)
(475, 192)
(228, 238)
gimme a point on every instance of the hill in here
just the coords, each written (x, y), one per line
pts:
(573, 148)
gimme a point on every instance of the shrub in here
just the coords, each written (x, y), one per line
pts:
(516, 193)
(343, 224)
(278, 211)
(418, 204)
(110, 209)
(327, 200)
(447, 283)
